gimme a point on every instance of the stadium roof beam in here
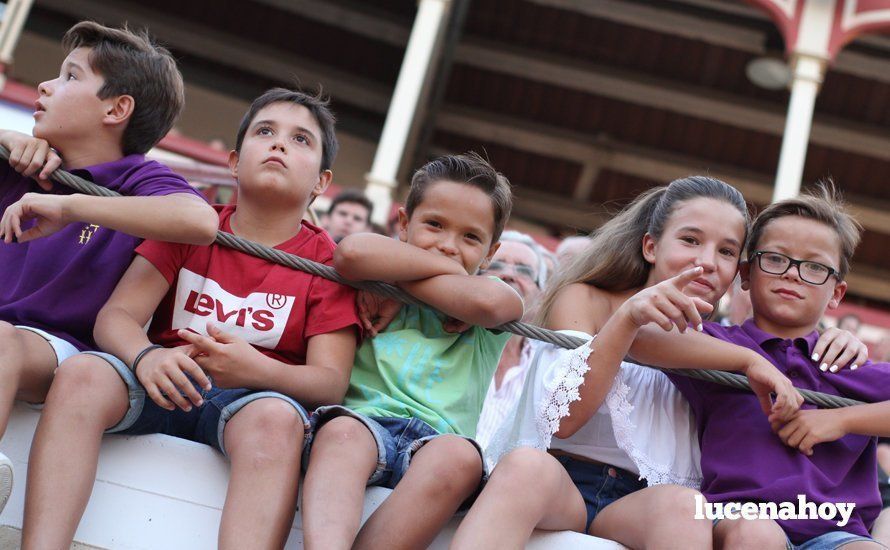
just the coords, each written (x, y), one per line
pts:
(204, 41)
(625, 158)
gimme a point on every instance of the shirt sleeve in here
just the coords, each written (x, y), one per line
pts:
(157, 180)
(869, 383)
(168, 258)
(331, 307)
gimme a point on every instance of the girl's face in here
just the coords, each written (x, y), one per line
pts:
(701, 232)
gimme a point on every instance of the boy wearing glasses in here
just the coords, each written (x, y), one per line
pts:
(799, 253)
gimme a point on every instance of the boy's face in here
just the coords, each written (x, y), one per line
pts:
(783, 302)
(69, 108)
(454, 220)
(280, 158)
(346, 219)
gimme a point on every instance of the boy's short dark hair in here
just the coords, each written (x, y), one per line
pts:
(133, 65)
(317, 104)
(824, 205)
(470, 169)
(352, 196)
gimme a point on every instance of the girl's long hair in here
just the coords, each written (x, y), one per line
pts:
(613, 260)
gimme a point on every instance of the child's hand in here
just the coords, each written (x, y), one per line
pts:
(49, 210)
(376, 312)
(163, 373)
(665, 304)
(230, 361)
(30, 157)
(836, 348)
(766, 379)
(808, 428)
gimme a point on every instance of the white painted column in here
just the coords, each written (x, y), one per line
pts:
(809, 61)
(12, 21)
(423, 46)
(807, 77)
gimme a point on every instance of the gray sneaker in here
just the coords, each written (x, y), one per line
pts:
(5, 480)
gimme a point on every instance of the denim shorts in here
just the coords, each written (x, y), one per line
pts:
(397, 440)
(205, 424)
(599, 484)
(826, 541)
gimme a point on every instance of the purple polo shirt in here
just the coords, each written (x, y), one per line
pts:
(743, 460)
(59, 283)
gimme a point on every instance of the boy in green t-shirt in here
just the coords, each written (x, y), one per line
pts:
(416, 389)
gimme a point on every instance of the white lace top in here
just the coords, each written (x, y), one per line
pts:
(644, 424)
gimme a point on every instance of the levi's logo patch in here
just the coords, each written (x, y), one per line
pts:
(259, 317)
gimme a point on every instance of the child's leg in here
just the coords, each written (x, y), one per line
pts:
(528, 489)
(442, 474)
(264, 441)
(763, 534)
(27, 363)
(86, 398)
(669, 512)
(344, 456)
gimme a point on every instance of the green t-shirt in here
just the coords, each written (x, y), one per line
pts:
(416, 369)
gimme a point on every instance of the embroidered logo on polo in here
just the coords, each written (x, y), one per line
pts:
(259, 317)
(86, 233)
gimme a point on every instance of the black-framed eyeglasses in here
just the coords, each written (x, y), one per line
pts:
(779, 264)
(519, 269)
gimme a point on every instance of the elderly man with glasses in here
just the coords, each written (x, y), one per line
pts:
(520, 264)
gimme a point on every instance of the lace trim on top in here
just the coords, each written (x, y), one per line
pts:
(568, 377)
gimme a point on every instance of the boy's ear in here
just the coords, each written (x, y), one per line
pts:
(119, 109)
(324, 180)
(840, 289)
(491, 252)
(233, 163)
(745, 274)
(649, 245)
(403, 224)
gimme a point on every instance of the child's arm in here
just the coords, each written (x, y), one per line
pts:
(700, 351)
(473, 299)
(439, 281)
(233, 363)
(810, 427)
(588, 309)
(119, 331)
(178, 217)
(371, 257)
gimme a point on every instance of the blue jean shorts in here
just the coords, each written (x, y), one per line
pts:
(826, 541)
(599, 484)
(397, 440)
(205, 424)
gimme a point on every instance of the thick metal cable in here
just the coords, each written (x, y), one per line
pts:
(516, 327)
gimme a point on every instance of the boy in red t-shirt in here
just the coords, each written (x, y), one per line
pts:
(236, 349)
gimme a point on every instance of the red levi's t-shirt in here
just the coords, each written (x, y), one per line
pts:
(273, 307)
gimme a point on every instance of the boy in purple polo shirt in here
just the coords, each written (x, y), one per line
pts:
(799, 252)
(62, 253)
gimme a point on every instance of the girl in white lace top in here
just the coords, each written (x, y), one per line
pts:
(666, 259)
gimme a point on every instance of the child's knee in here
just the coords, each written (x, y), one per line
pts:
(12, 349)
(88, 376)
(454, 460)
(524, 467)
(266, 427)
(759, 533)
(343, 431)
